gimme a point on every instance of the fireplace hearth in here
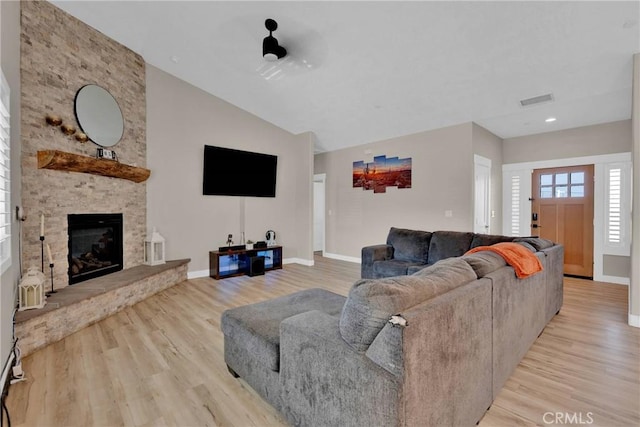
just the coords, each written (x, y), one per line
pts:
(95, 245)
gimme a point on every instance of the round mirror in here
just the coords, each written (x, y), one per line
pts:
(99, 115)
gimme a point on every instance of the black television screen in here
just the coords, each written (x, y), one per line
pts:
(230, 172)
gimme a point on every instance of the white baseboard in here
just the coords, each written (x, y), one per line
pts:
(634, 320)
(302, 261)
(343, 257)
(307, 262)
(612, 279)
(205, 273)
(197, 274)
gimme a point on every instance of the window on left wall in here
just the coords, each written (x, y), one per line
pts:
(5, 184)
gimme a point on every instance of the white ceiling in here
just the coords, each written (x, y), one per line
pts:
(359, 72)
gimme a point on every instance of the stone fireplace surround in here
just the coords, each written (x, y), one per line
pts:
(59, 55)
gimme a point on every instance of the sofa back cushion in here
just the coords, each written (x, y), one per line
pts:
(447, 244)
(489, 239)
(538, 243)
(409, 245)
(371, 302)
(484, 262)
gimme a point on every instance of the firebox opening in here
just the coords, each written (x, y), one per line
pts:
(95, 245)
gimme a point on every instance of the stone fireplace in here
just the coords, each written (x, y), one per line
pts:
(93, 224)
(59, 55)
(95, 245)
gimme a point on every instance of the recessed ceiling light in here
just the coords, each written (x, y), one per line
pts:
(175, 59)
(550, 119)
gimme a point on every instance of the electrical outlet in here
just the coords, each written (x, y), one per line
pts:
(20, 214)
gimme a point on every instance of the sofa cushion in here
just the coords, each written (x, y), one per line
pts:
(537, 242)
(412, 269)
(488, 240)
(409, 245)
(484, 262)
(257, 325)
(393, 267)
(447, 244)
(526, 245)
(371, 302)
(524, 262)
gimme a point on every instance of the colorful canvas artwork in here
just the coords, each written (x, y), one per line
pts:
(383, 172)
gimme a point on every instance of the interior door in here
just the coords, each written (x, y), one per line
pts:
(482, 199)
(318, 213)
(562, 211)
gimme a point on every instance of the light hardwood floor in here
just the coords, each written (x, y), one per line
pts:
(160, 362)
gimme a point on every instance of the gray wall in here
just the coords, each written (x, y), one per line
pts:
(181, 119)
(607, 138)
(10, 61)
(442, 179)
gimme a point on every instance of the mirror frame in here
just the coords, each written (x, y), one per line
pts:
(85, 106)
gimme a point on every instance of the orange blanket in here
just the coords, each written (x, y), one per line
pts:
(523, 261)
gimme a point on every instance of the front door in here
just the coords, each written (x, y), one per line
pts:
(562, 211)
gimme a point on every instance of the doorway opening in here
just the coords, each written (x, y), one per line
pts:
(319, 191)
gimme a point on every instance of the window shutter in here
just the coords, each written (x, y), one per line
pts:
(515, 205)
(617, 209)
(5, 184)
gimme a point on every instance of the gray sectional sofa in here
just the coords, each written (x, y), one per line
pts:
(433, 348)
(407, 251)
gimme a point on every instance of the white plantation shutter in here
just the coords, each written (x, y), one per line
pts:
(614, 212)
(515, 205)
(617, 215)
(5, 187)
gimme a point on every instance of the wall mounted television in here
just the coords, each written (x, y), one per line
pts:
(230, 172)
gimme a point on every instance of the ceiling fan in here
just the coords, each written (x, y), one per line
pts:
(271, 50)
(306, 50)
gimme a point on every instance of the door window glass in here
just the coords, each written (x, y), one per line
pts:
(561, 191)
(577, 178)
(577, 191)
(562, 185)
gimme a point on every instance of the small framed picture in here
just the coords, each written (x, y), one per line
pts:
(103, 153)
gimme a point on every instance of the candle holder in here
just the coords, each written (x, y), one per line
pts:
(42, 253)
(52, 291)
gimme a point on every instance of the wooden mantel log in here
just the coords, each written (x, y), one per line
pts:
(60, 160)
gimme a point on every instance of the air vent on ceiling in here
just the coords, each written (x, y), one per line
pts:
(536, 100)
